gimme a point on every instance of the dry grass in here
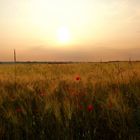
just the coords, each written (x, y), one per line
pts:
(47, 101)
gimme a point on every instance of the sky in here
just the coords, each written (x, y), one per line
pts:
(70, 30)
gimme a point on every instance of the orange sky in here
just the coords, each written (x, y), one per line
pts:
(77, 30)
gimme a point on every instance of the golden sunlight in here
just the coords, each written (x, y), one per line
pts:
(63, 35)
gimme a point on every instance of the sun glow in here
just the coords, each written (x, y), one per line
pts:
(63, 35)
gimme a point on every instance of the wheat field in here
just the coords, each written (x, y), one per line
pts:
(76, 101)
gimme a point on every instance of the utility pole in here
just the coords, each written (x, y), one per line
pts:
(15, 73)
(14, 55)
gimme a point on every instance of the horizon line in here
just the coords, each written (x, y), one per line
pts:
(101, 61)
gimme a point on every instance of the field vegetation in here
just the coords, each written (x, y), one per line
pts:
(83, 101)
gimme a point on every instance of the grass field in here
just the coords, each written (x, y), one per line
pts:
(83, 101)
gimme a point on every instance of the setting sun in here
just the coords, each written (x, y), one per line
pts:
(63, 35)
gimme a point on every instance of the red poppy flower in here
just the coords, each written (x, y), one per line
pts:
(42, 94)
(80, 107)
(90, 108)
(78, 78)
(110, 105)
(18, 110)
(12, 98)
